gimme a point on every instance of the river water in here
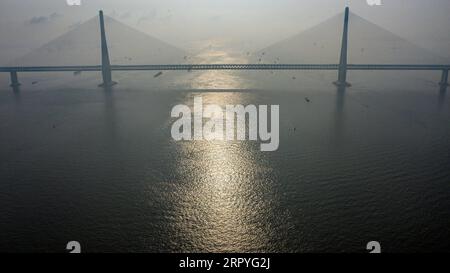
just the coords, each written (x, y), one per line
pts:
(100, 167)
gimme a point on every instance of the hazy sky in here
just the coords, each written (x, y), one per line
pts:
(27, 24)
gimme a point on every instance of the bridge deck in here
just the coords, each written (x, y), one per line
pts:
(189, 67)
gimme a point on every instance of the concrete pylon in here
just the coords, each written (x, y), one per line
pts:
(106, 65)
(14, 79)
(342, 73)
(444, 78)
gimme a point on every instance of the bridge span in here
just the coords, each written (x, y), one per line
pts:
(191, 67)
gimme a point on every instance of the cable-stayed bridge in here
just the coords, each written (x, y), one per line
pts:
(342, 67)
(189, 67)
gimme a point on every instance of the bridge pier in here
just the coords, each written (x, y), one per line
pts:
(444, 79)
(342, 73)
(106, 65)
(14, 79)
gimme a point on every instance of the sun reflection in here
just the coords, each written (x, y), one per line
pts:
(215, 79)
(218, 79)
(224, 198)
(223, 203)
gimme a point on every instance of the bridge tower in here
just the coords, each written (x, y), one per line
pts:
(444, 79)
(14, 79)
(106, 65)
(342, 73)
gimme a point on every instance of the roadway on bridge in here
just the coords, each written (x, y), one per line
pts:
(189, 67)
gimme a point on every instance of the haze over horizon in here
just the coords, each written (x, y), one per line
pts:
(245, 25)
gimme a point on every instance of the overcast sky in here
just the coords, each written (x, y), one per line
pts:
(27, 24)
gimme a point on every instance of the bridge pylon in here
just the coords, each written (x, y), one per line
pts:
(342, 73)
(14, 79)
(444, 79)
(106, 65)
